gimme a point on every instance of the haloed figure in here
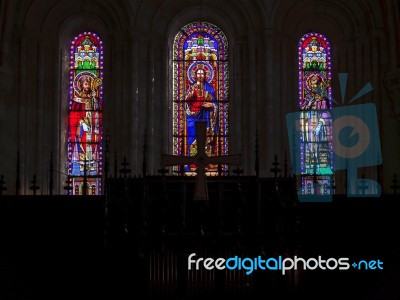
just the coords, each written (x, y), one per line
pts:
(85, 109)
(201, 105)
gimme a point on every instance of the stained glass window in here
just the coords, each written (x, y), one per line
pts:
(316, 149)
(85, 112)
(200, 92)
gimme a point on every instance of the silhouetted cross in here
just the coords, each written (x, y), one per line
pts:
(275, 169)
(34, 187)
(125, 170)
(2, 187)
(201, 160)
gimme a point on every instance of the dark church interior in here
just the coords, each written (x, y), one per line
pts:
(106, 107)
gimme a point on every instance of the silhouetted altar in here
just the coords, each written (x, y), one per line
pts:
(156, 202)
(136, 240)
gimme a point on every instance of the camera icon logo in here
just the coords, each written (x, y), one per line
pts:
(355, 144)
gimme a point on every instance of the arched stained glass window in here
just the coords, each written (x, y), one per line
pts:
(200, 91)
(85, 115)
(316, 152)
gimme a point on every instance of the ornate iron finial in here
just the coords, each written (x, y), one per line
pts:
(125, 171)
(275, 169)
(34, 187)
(2, 185)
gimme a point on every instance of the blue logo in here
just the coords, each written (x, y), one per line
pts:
(355, 144)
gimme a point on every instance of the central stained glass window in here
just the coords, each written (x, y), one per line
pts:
(200, 92)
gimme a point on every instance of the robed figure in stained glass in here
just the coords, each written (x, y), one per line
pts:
(317, 93)
(85, 119)
(201, 105)
(316, 135)
(200, 92)
(85, 110)
(316, 142)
